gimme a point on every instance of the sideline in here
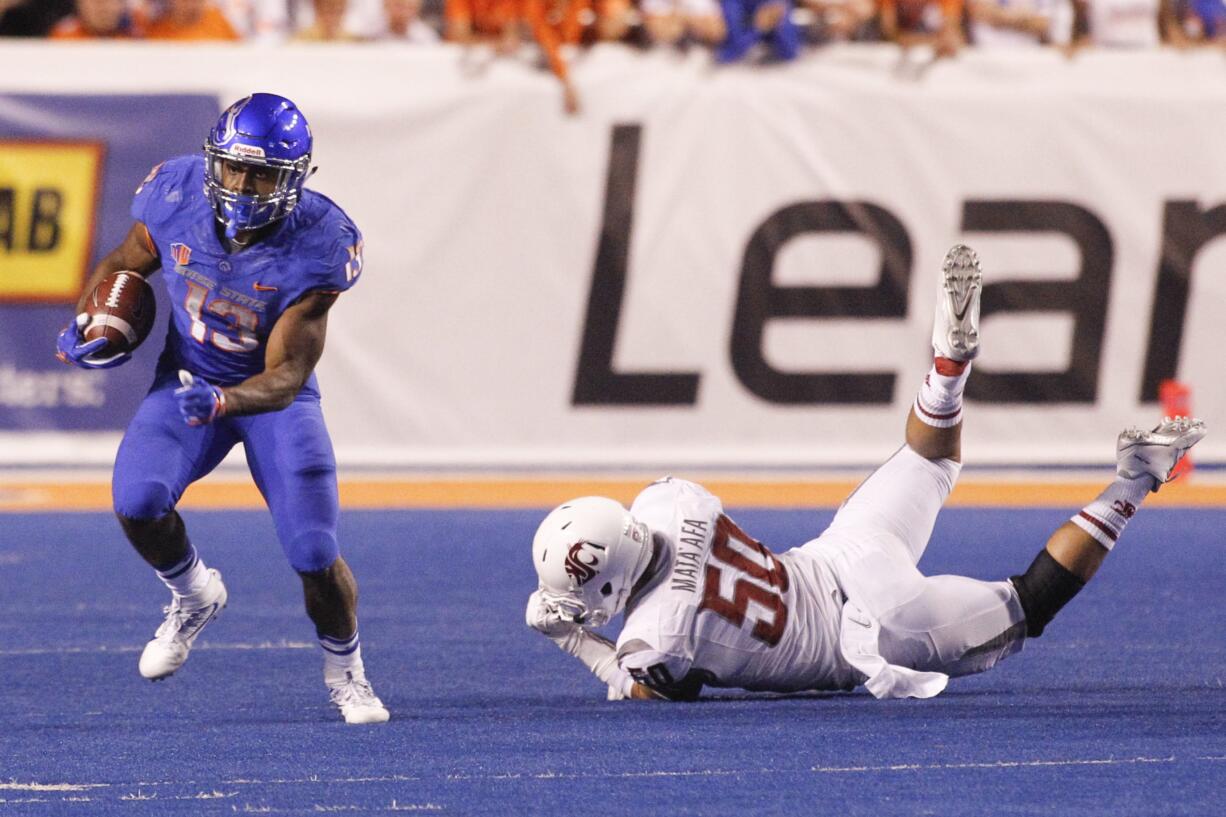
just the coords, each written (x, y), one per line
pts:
(535, 492)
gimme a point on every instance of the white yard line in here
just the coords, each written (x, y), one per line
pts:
(137, 790)
(204, 645)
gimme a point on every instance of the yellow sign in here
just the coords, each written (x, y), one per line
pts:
(48, 194)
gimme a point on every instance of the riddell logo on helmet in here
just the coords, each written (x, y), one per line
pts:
(580, 568)
(253, 151)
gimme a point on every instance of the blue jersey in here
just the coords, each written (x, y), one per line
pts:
(223, 305)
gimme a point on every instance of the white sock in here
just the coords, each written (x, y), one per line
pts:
(939, 402)
(1106, 516)
(342, 657)
(188, 576)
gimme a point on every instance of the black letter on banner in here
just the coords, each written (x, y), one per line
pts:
(45, 220)
(1086, 298)
(760, 300)
(596, 384)
(8, 218)
(1185, 229)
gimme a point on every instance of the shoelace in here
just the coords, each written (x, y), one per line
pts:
(353, 692)
(178, 619)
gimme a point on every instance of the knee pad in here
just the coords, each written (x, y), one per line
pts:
(142, 500)
(312, 551)
(1043, 589)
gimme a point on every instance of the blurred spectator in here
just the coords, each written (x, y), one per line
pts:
(1019, 23)
(31, 18)
(667, 22)
(363, 18)
(1203, 21)
(262, 21)
(97, 19)
(752, 21)
(937, 23)
(497, 22)
(1127, 23)
(615, 20)
(555, 23)
(402, 23)
(190, 20)
(838, 21)
(329, 24)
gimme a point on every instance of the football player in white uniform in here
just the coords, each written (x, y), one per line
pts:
(706, 604)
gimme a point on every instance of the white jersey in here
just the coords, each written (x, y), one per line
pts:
(726, 611)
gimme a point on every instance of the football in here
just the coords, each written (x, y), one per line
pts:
(121, 309)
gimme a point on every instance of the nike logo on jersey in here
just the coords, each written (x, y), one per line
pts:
(258, 287)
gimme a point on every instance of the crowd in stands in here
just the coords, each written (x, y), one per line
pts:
(733, 29)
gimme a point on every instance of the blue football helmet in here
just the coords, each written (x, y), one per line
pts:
(264, 130)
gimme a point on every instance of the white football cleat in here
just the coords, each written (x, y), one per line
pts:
(186, 616)
(955, 328)
(357, 701)
(1157, 452)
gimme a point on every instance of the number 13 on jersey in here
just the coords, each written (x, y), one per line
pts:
(763, 582)
(244, 321)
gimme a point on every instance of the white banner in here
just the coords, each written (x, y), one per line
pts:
(737, 266)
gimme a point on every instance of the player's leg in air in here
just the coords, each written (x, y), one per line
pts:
(158, 458)
(1145, 460)
(898, 504)
(291, 459)
(954, 625)
(881, 531)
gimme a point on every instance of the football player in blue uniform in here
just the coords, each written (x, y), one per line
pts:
(252, 263)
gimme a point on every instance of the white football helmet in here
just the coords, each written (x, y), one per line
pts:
(588, 554)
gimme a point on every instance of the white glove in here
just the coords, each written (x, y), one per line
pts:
(546, 618)
(598, 654)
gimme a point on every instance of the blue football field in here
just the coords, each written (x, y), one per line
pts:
(1120, 709)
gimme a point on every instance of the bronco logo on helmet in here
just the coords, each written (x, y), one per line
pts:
(577, 567)
(228, 129)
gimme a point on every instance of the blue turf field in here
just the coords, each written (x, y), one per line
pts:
(1119, 710)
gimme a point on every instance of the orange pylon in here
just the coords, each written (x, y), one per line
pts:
(1176, 400)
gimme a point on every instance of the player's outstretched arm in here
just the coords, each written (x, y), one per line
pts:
(598, 654)
(294, 347)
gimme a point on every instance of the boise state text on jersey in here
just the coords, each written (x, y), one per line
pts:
(223, 305)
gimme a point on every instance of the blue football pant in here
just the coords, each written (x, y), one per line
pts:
(288, 451)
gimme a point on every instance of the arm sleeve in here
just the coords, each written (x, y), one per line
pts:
(162, 192)
(340, 260)
(599, 655)
(149, 189)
